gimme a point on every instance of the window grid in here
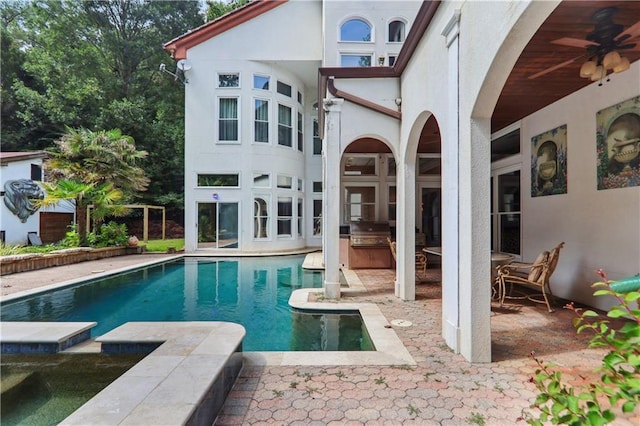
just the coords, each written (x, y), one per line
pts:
(228, 120)
(261, 120)
(285, 126)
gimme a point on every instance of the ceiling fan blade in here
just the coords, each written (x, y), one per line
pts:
(573, 42)
(555, 67)
(631, 32)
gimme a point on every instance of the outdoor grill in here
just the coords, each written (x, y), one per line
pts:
(369, 234)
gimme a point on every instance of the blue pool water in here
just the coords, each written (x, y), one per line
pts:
(253, 292)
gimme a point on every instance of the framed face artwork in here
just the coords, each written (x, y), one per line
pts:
(549, 162)
(618, 145)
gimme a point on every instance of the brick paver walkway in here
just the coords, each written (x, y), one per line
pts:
(443, 389)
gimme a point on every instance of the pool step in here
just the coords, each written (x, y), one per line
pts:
(42, 337)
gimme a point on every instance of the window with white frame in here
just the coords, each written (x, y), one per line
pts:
(300, 184)
(285, 126)
(285, 216)
(260, 82)
(300, 98)
(284, 182)
(356, 29)
(261, 180)
(317, 186)
(300, 217)
(396, 31)
(260, 217)
(317, 142)
(360, 165)
(355, 59)
(228, 119)
(360, 203)
(317, 218)
(261, 120)
(219, 179)
(391, 60)
(226, 80)
(283, 88)
(300, 133)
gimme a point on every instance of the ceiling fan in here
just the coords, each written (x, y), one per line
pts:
(603, 47)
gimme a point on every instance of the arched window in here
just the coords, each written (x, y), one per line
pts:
(355, 30)
(396, 31)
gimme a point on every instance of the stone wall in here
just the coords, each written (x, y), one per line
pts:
(32, 261)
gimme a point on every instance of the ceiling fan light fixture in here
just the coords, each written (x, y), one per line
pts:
(587, 69)
(611, 60)
(599, 73)
(622, 66)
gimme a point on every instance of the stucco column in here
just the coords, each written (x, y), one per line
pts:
(331, 197)
(450, 209)
(475, 239)
(405, 285)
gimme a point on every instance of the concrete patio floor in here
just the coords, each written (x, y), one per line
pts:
(442, 389)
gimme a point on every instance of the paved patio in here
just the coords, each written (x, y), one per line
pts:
(442, 389)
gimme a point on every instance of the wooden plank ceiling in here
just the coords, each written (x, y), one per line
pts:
(521, 95)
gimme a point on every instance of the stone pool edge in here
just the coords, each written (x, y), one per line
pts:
(389, 348)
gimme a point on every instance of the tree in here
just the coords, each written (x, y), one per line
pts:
(94, 168)
(94, 65)
(216, 9)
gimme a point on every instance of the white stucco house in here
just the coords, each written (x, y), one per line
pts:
(460, 124)
(19, 216)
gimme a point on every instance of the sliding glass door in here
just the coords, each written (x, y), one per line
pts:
(218, 225)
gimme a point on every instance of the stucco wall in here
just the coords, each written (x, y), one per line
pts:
(601, 228)
(15, 230)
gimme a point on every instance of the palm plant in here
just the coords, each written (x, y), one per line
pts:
(98, 169)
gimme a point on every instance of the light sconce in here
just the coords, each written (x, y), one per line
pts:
(597, 68)
(181, 68)
(380, 61)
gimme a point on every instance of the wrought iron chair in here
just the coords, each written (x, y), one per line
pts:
(420, 259)
(534, 274)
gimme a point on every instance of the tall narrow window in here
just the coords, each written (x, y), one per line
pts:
(285, 216)
(285, 128)
(260, 218)
(317, 218)
(396, 32)
(355, 30)
(317, 142)
(261, 117)
(300, 133)
(300, 217)
(228, 119)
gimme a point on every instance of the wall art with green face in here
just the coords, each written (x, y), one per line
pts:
(549, 162)
(618, 145)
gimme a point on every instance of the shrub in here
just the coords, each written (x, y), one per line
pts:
(619, 384)
(109, 235)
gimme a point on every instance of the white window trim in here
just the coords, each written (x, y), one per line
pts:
(406, 30)
(294, 91)
(270, 89)
(372, 28)
(218, 172)
(294, 118)
(219, 73)
(280, 188)
(300, 219)
(343, 200)
(300, 130)
(264, 173)
(267, 198)
(253, 120)
(358, 53)
(343, 164)
(292, 217)
(217, 121)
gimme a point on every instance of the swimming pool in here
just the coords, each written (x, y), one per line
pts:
(253, 292)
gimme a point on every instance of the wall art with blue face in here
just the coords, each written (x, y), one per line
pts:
(618, 145)
(549, 162)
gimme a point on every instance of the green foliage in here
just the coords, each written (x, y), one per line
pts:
(94, 65)
(9, 250)
(619, 385)
(71, 237)
(110, 234)
(162, 246)
(216, 9)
